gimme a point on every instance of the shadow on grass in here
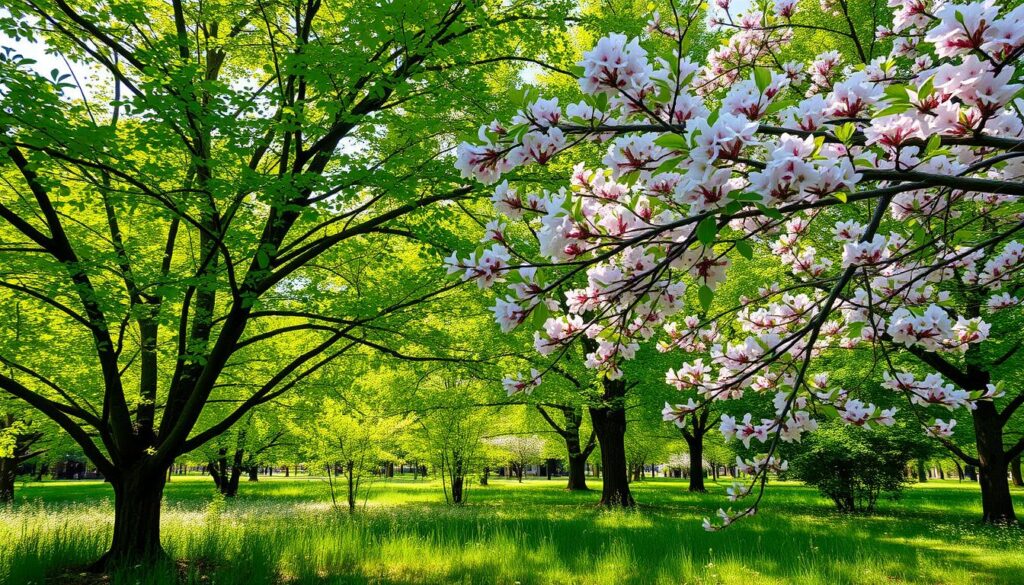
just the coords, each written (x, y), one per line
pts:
(285, 532)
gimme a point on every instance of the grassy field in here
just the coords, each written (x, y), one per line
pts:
(285, 531)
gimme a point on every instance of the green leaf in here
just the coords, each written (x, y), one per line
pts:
(778, 106)
(818, 142)
(539, 316)
(934, 143)
(840, 196)
(927, 87)
(896, 109)
(854, 329)
(762, 78)
(672, 141)
(668, 165)
(771, 212)
(705, 295)
(897, 93)
(845, 132)
(707, 229)
(747, 196)
(745, 249)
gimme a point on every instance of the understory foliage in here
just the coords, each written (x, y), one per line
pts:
(853, 466)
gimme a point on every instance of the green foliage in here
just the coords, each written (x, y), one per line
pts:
(853, 466)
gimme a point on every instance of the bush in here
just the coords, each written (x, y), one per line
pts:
(853, 466)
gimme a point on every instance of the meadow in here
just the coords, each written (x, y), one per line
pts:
(285, 531)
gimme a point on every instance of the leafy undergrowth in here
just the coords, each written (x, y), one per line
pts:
(286, 532)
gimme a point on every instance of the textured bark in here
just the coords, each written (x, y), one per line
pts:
(577, 473)
(996, 502)
(609, 421)
(694, 434)
(137, 497)
(697, 467)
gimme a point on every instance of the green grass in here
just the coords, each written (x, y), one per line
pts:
(285, 531)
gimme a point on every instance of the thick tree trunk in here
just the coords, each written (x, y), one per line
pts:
(577, 473)
(1015, 474)
(697, 467)
(609, 421)
(137, 497)
(996, 503)
(254, 473)
(695, 442)
(922, 474)
(484, 477)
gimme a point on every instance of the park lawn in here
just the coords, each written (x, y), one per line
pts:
(286, 531)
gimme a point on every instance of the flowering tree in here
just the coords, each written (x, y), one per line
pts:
(889, 189)
(520, 451)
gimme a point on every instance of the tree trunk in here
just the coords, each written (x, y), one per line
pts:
(8, 468)
(137, 497)
(609, 421)
(922, 474)
(230, 487)
(457, 480)
(349, 472)
(1015, 472)
(486, 474)
(254, 473)
(577, 473)
(695, 442)
(996, 503)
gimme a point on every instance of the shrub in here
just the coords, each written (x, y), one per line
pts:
(852, 465)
